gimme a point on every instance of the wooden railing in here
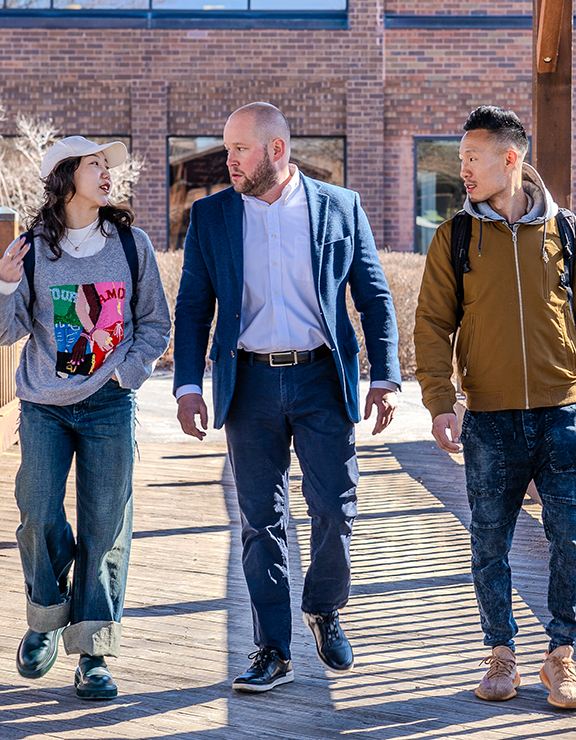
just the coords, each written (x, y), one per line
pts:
(9, 356)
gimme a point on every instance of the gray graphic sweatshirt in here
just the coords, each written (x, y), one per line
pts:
(82, 329)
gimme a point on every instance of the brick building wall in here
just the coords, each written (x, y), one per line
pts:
(434, 78)
(375, 84)
(151, 84)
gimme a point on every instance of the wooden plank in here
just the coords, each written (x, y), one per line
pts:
(412, 617)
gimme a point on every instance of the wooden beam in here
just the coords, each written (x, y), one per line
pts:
(548, 41)
(552, 103)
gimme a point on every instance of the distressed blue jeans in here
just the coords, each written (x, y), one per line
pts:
(100, 432)
(503, 451)
(271, 407)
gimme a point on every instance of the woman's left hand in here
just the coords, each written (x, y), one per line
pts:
(11, 264)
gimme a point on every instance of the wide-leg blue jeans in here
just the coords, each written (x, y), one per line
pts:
(271, 407)
(503, 451)
(100, 432)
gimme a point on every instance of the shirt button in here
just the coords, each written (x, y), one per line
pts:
(275, 292)
(274, 236)
(274, 263)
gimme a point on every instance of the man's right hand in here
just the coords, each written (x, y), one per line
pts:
(440, 425)
(190, 405)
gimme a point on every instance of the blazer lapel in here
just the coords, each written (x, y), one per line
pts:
(318, 212)
(233, 211)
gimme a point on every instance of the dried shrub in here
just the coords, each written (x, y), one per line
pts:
(403, 272)
(170, 266)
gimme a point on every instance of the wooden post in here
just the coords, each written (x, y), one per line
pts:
(552, 96)
(9, 356)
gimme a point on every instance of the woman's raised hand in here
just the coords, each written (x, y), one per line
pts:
(11, 264)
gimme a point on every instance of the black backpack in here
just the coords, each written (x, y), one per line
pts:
(460, 242)
(128, 244)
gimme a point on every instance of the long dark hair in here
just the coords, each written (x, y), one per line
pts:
(50, 221)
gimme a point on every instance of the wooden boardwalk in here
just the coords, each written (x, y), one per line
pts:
(412, 618)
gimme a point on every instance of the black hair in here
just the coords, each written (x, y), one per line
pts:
(50, 221)
(501, 123)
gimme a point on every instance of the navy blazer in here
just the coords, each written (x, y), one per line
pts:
(343, 252)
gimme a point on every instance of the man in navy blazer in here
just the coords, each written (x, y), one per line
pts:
(276, 251)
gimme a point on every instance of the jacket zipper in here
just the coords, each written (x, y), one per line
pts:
(514, 230)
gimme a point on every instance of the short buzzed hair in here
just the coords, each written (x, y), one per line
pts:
(270, 122)
(501, 123)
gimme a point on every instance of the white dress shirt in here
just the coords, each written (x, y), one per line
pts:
(280, 308)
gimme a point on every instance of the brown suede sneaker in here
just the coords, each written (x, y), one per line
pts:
(558, 674)
(502, 678)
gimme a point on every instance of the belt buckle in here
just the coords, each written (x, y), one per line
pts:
(293, 354)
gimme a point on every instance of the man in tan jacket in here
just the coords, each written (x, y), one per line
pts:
(516, 355)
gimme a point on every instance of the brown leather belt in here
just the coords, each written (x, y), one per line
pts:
(285, 359)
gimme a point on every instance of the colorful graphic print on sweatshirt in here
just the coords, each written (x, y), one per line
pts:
(88, 324)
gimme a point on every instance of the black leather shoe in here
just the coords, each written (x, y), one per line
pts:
(93, 680)
(332, 644)
(267, 670)
(37, 653)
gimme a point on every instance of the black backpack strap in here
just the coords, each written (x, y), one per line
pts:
(29, 262)
(567, 228)
(129, 246)
(459, 244)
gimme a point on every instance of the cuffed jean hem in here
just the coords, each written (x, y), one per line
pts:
(47, 618)
(93, 638)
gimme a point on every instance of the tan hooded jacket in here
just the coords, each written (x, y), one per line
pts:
(517, 344)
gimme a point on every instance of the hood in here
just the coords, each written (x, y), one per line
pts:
(541, 205)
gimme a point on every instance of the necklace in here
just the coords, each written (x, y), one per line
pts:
(81, 242)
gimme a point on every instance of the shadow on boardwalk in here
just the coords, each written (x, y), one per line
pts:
(412, 616)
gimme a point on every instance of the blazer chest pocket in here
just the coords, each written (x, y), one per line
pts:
(337, 256)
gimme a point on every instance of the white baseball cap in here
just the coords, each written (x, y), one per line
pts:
(78, 146)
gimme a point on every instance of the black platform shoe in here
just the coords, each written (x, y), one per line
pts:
(93, 680)
(37, 653)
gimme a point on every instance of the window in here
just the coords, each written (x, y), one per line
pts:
(439, 188)
(202, 5)
(198, 168)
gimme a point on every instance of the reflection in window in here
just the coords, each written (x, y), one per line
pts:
(24, 4)
(439, 187)
(101, 4)
(219, 5)
(198, 168)
(193, 5)
(298, 5)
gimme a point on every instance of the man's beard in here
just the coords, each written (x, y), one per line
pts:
(263, 180)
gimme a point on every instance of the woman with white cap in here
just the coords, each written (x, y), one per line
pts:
(94, 337)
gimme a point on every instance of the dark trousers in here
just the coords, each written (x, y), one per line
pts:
(271, 407)
(503, 451)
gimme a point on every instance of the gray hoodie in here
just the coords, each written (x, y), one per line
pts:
(82, 328)
(541, 206)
